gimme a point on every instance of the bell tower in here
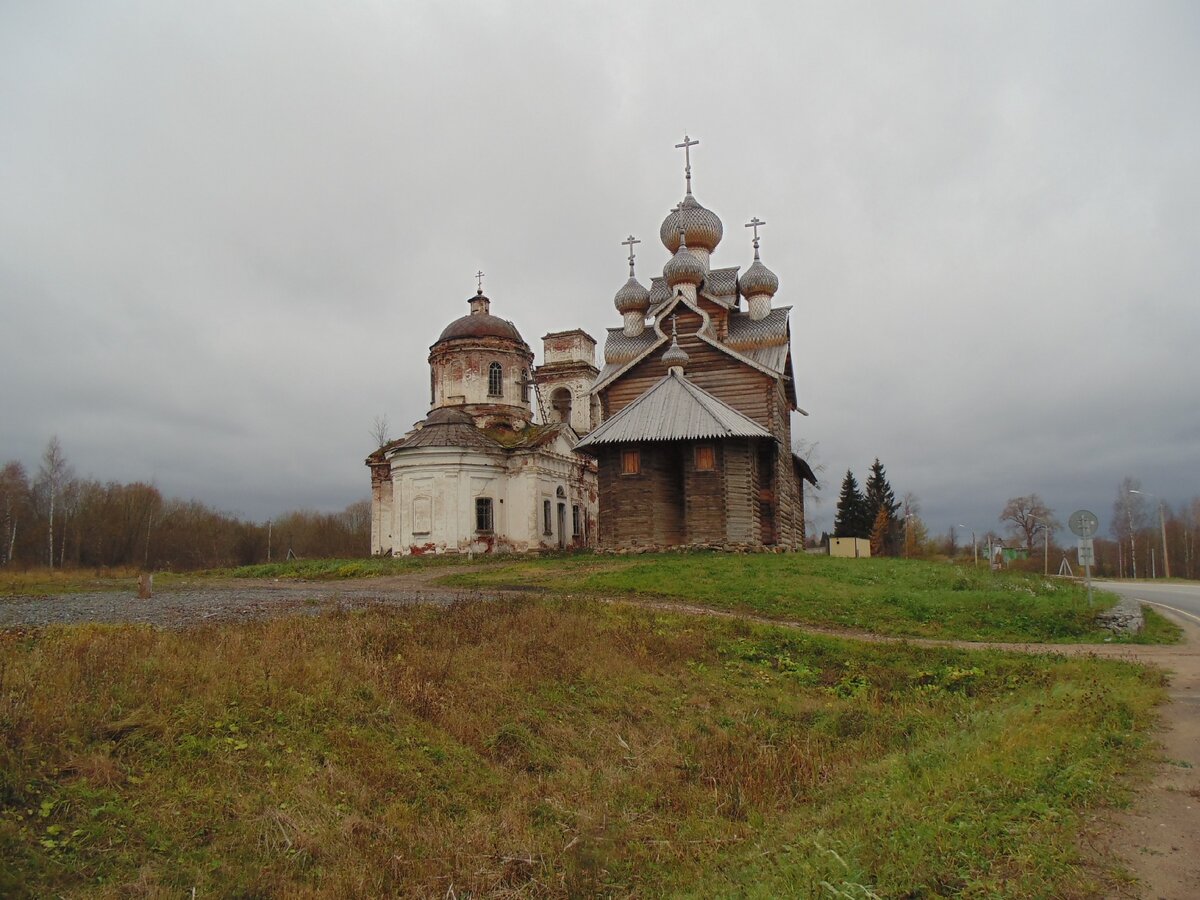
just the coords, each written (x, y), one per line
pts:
(565, 378)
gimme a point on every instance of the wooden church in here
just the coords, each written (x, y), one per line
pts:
(682, 438)
(695, 398)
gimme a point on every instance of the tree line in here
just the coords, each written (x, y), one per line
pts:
(893, 527)
(1148, 536)
(54, 518)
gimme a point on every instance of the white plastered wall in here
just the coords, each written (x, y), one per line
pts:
(434, 491)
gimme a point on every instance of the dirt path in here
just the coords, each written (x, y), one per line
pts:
(1157, 839)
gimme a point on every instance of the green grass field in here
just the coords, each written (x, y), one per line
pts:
(885, 596)
(908, 598)
(550, 748)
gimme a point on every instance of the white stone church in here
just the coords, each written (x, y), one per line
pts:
(478, 474)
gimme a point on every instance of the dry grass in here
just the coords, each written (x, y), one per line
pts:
(545, 749)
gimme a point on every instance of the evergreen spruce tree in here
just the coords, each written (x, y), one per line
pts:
(851, 519)
(881, 498)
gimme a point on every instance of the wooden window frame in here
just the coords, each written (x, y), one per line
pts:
(576, 521)
(631, 455)
(710, 450)
(485, 506)
(495, 380)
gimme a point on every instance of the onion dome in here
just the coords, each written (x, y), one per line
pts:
(633, 297)
(675, 355)
(758, 279)
(683, 267)
(700, 226)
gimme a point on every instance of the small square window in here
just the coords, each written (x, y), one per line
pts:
(483, 513)
(631, 462)
(706, 458)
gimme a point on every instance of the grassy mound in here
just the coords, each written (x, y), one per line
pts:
(885, 596)
(548, 749)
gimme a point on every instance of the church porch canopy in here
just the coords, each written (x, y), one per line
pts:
(674, 409)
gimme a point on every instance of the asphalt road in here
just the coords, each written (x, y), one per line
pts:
(1183, 598)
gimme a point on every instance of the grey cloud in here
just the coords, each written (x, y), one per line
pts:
(229, 233)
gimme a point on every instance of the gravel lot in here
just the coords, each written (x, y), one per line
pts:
(231, 601)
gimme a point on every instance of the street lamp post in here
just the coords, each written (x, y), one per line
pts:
(1162, 524)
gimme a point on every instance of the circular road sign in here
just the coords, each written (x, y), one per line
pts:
(1083, 523)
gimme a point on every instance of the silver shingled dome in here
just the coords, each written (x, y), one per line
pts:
(632, 297)
(700, 226)
(683, 268)
(675, 355)
(758, 279)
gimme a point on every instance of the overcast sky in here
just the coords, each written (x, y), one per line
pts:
(229, 232)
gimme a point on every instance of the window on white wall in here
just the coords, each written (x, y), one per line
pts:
(483, 513)
(495, 380)
(547, 519)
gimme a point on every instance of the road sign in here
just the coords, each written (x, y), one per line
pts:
(1083, 523)
(1087, 552)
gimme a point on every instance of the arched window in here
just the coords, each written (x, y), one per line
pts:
(561, 401)
(495, 380)
(524, 385)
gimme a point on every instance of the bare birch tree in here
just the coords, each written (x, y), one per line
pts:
(1129, 516)
(53, 473)
(14, 499)
(381, 430)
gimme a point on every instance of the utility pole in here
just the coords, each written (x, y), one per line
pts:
(1162, 524)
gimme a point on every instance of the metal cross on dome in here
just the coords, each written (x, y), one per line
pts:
(629, 242)
(686, 147)
(754, 223)
(479, 281)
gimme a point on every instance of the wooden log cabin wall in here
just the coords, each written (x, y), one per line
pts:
(698, 387)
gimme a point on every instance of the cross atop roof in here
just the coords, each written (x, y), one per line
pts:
(754, 223)
(479, 281)
(629, 242)
(686, 147)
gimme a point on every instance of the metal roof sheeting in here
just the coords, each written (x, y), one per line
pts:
(674, 409)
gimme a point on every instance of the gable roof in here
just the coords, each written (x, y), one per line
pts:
(774, 361)
(720, 286)
(674, 409)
